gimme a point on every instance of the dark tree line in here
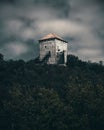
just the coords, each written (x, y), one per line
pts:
(51, 97)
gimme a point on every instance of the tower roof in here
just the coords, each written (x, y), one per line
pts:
(51, 36)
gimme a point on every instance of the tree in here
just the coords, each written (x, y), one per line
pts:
(101, 62)
(1, 57)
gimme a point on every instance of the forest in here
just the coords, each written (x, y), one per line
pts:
(51, 97)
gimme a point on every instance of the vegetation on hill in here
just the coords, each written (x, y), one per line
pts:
(51, 97)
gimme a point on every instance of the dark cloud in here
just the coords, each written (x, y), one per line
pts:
(6, 1)
(23, 21)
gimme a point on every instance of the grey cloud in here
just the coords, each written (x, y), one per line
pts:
(61, 5)
(20, 50)
(90, 15)
(79, 21)
(14, 49)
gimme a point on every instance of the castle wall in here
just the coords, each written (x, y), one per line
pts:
(61, 46)
(48, 46)
(57, 49)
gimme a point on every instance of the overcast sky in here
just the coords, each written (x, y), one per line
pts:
(24, 22)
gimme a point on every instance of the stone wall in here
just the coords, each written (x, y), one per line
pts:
(61, 46)
(48, 46)
(55, 47)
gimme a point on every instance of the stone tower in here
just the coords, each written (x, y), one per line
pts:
(53, 49)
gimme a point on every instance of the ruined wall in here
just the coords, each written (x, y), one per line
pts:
(57, 48)
(61, 46)
(48, 46)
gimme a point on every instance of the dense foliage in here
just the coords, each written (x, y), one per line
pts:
(51, 97)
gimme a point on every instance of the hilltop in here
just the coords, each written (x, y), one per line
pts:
(51, 97)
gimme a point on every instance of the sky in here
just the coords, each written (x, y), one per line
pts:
(24, 22)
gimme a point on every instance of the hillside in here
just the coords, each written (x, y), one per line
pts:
(51, 97)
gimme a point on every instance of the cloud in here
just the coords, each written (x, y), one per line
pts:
(15, 49)
(13, 26)
(64, 27)
(89, 52)
(80, 22)
(90, 15)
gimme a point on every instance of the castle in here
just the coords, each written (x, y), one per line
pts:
(53, 49)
